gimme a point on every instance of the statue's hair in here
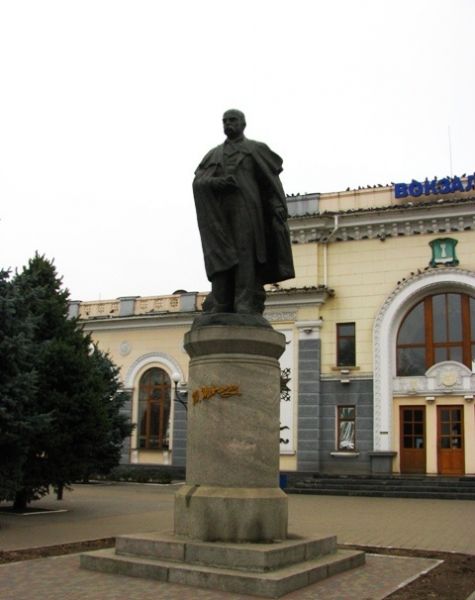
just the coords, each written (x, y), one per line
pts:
(238, 112)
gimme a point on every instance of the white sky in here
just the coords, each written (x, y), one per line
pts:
(107, 107)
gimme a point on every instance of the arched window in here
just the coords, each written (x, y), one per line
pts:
(441, 327)
(154, 409)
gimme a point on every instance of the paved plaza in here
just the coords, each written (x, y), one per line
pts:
(99, 511)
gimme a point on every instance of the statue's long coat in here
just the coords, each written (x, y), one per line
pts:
(266, 204)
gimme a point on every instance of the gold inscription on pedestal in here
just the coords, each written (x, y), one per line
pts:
(210, 391)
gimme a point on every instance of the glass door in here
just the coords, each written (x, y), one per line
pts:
(413, 439)
(450, 442)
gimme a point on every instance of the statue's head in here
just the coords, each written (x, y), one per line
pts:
(234, 123)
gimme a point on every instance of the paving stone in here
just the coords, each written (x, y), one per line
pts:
(61, 577)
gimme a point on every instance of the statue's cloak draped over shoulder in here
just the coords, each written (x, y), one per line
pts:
(216, 237)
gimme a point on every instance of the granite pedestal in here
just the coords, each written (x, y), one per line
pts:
(232, 471)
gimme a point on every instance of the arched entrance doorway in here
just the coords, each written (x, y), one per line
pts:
(424, 342)
(439, 328)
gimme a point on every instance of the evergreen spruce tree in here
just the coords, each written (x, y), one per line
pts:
(19, 419)
(77, 389)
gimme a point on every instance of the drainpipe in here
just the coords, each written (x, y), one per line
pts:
(336, 226)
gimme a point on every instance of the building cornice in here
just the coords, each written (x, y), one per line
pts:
(385, 222)
(315, 295)
(138, 322)
(281, 305)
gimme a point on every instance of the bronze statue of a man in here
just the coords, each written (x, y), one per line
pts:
(242, 218)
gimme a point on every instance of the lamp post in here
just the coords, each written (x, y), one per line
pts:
(181, 392)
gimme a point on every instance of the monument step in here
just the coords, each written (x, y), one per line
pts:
(259, 557)
(273, 584)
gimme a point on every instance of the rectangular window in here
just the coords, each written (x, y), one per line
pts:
(346, 344)
(346, 428)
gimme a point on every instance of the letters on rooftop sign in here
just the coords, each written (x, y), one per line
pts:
(447, 185)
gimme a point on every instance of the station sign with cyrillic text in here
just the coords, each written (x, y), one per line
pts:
(435, 187)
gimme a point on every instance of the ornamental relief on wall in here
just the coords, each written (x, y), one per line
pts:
(448, 377)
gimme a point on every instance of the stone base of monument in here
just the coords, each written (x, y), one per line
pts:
(230, 529)
(269, 569)
(228, 514)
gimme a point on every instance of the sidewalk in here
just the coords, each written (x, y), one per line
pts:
(97, 511)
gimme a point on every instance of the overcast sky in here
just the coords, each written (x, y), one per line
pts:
(107, 107)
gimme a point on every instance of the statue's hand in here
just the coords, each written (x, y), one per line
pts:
(281, 213)
(231, 183)
(222, 184)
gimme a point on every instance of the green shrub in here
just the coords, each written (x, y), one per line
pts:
(139, 474)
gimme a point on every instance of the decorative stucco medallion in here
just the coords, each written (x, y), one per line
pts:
(449, 377)
(125, 348)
